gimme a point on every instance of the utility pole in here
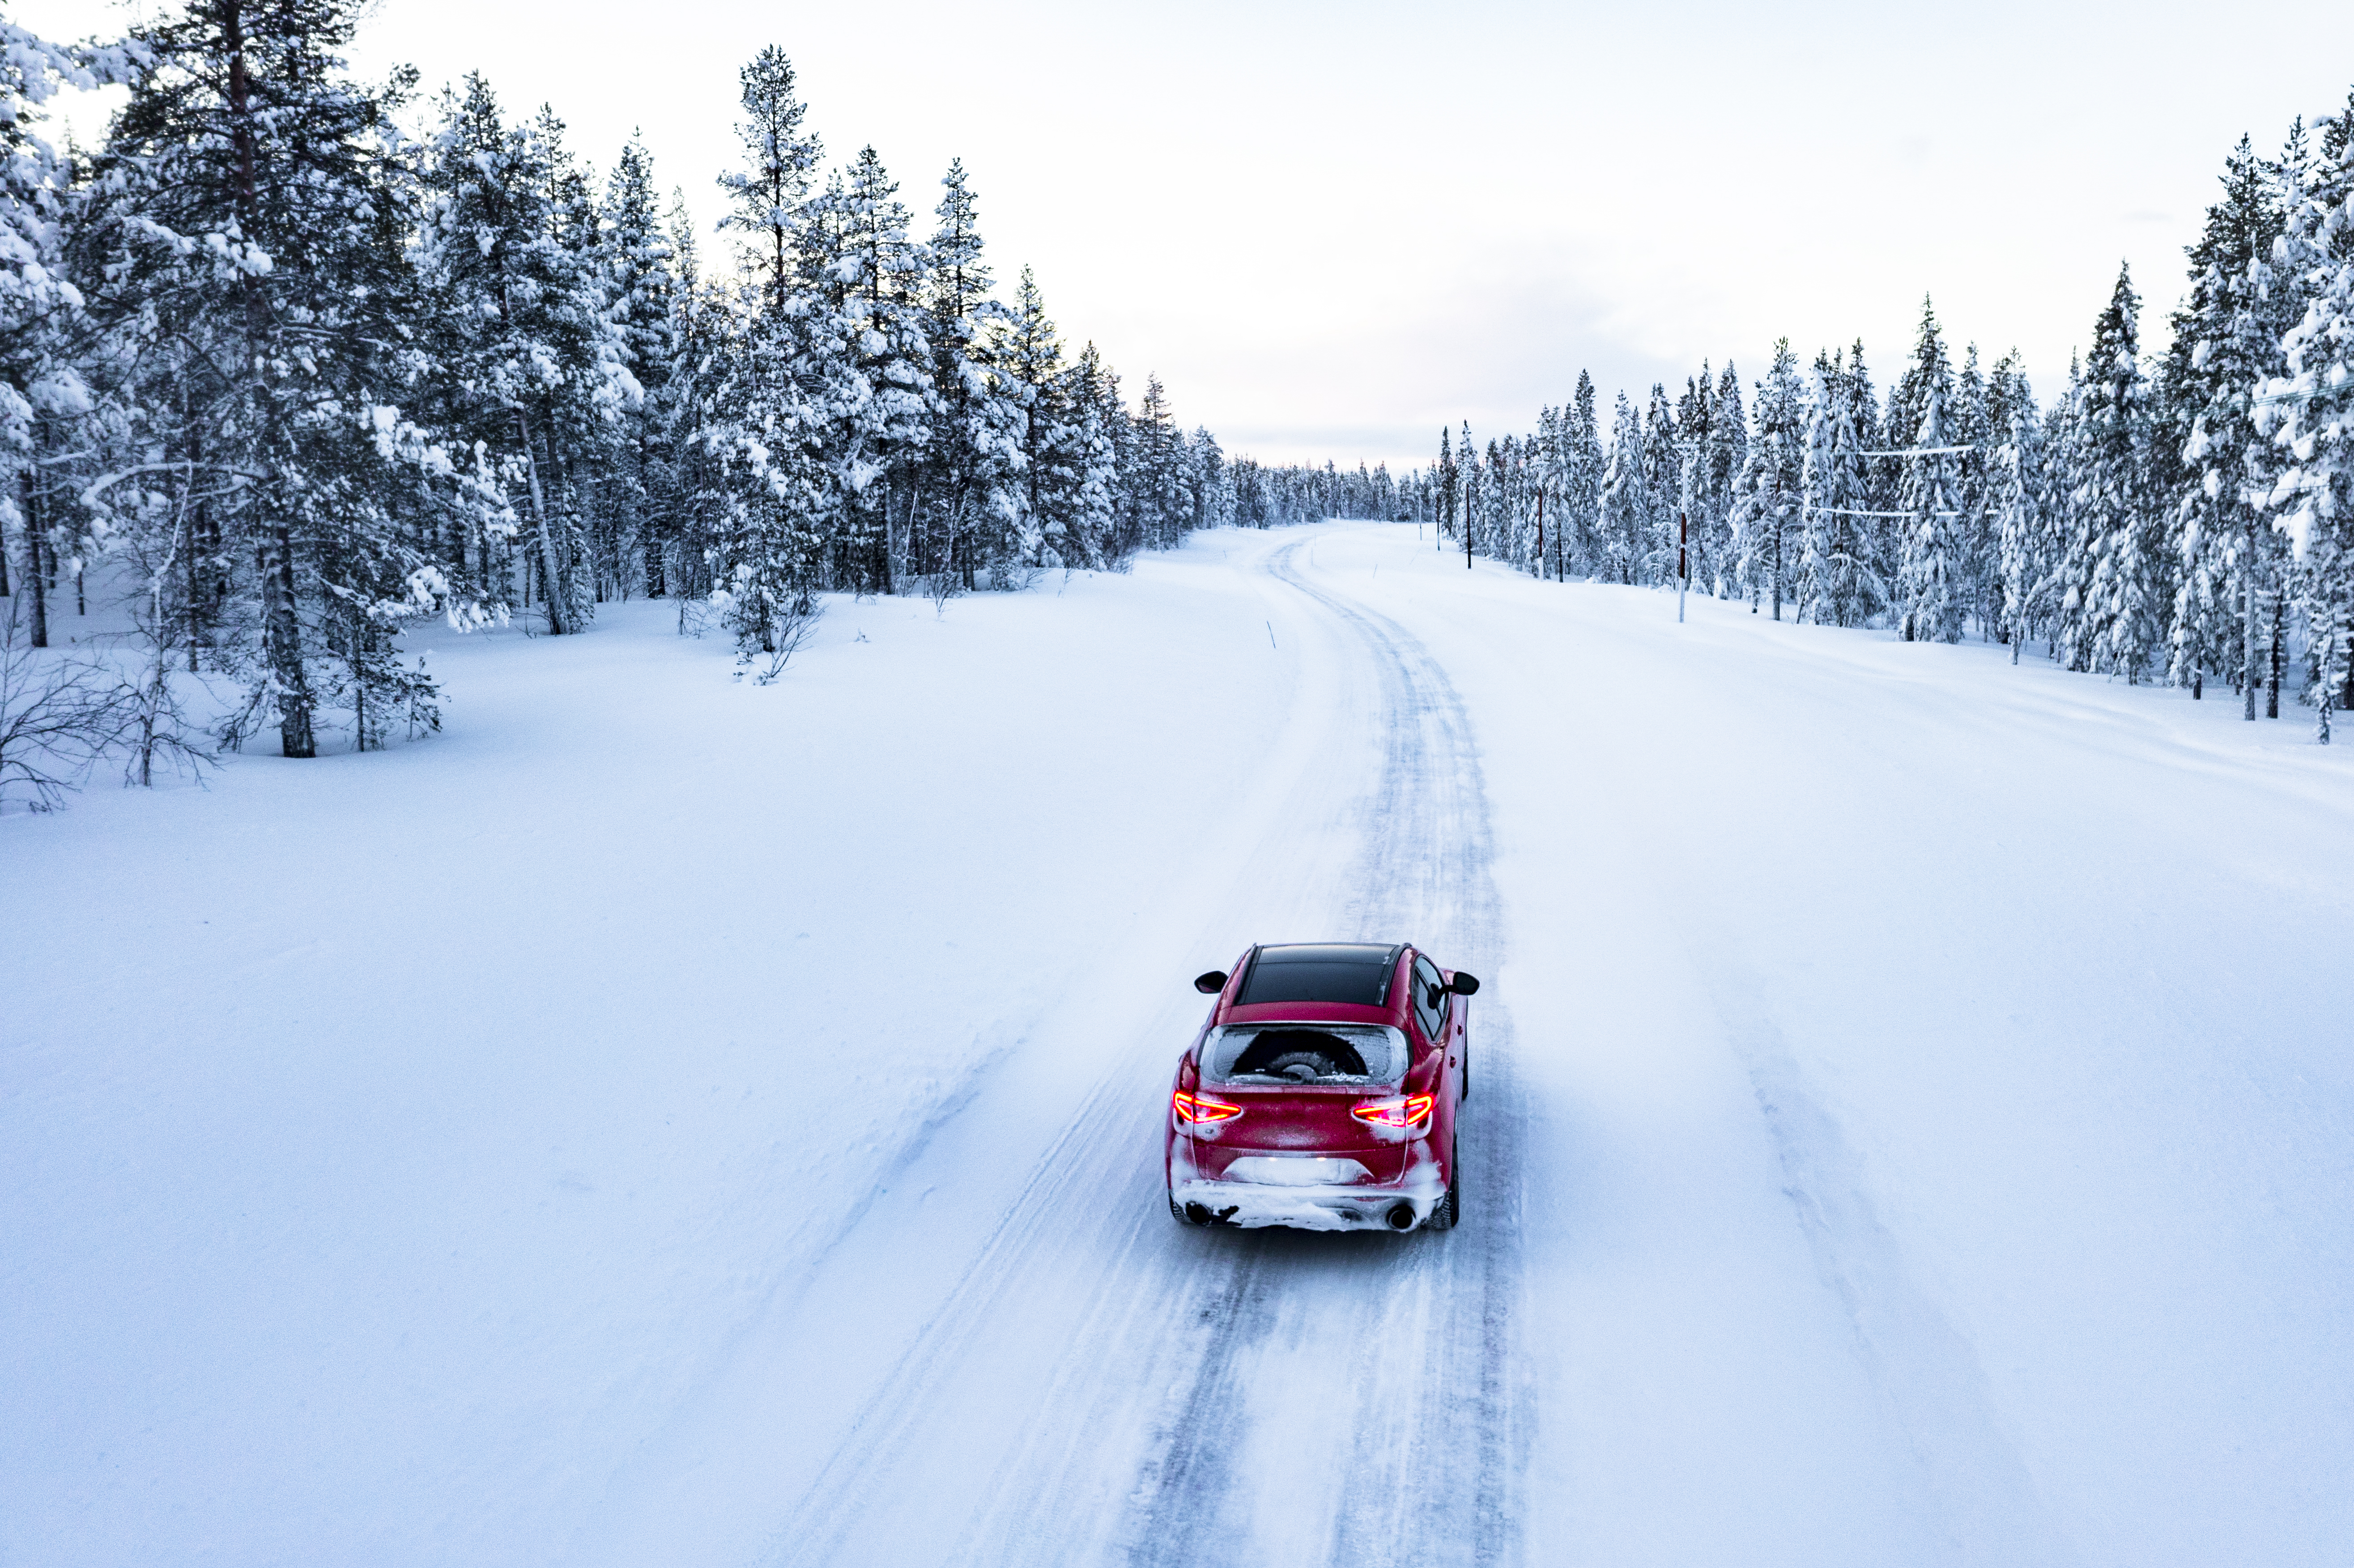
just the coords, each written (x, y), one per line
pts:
(1467, 520)
(1541, 571)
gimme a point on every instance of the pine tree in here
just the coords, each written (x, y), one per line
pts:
(1032, 358)
(1925, 490)
(243, 244)
(1583, 466)
(1727, 451)
(975, 448)
(523, 331)
(1624, 510)
(1838, 581)
(2310, 415)
(2119, 621)
(633, 501)
(2227, 345)
(2024, 506)
(1772, 486)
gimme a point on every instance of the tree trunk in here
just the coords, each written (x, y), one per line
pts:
(551, 579)
(33, 563)
(282, 633)
(2273, 680)
(2248, 629)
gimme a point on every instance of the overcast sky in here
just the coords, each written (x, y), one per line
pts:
(1331, 229)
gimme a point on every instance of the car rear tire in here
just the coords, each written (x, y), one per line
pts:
(1450, 1209)
(1176, 1210)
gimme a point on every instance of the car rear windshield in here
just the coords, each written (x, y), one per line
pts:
(1366, 1054)
(1320, 973)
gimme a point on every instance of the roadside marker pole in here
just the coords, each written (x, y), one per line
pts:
(1683, 561)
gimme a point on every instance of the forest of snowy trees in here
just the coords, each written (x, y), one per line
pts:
(292, 360)
(2186, 520)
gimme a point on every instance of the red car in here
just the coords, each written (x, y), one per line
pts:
(1321, 1091)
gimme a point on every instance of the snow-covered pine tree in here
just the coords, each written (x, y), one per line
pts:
(971, 482)
(2309, 414)
(43, 329)
(1095, 522)
(2022, 505)
(2227, 345)
(1164, 507)
(1663, 488)
(1772, 486)
(242, 243)
(1837, 582)
(1969, 424)
(2120, 622)
(1447, 480)
(1624, 509)
(522, 329)
(1727, 451)
(883, 432)
(633, 500)
(1582, 470)
(1030, 357)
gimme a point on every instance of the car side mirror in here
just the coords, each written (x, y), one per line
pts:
(1463, 984)
(1211, 984)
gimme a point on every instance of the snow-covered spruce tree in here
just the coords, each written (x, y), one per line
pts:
(2023, 506)
(1771, 485)
(1209, 479)
(633, 499)
(1624, 509)
(688, 535)
(1968, 424)
(1727, 452)
(773, 381)
(1094, 523)
(2124, 596)
(1930, 588)
(1687, 531)
(2227, 345)
(1030, 355)
(523, 332)
(46, 336)
(1837, 582)
(881, 435)
(242, 242)
(1662, 466)
(2309, 413)
(1582, 470)
(970, 509)
(1925, 487)
(1164, 507)
(1448, 480)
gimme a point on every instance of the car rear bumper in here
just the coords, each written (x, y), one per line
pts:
(1356, 1206)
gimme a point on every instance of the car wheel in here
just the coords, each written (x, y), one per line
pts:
(1176, 1210)
(1463, 1090)
(1450, 1209)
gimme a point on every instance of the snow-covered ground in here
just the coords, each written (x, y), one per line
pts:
(668, 1120)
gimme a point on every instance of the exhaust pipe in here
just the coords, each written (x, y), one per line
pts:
(1197, 1213)
(1401, 1215)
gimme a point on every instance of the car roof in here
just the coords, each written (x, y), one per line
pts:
(1317, 982)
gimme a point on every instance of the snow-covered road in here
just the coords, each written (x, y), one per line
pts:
(664, 1121)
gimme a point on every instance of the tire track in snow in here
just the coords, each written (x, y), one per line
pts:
(1440, 1423)
(1196, 1353)
(1971, 1481)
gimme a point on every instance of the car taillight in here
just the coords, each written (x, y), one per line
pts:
(1203, 1108)
(1393, 1113)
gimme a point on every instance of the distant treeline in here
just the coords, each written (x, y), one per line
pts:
(2182, 519)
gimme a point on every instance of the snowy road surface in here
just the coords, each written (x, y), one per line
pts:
(668, 1120)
